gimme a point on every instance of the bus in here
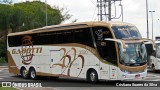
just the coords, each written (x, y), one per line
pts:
(157, 38)
(90, 50)
(153, 51)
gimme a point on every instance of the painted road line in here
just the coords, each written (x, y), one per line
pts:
(153, 75)
(4, 76)
(1, 69)
(156, 80)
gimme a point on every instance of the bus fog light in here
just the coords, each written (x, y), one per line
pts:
(124, 76)
(123, 70)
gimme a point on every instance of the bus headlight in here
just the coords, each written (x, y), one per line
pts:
(125, 71)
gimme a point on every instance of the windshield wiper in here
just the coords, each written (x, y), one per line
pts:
(132, 64)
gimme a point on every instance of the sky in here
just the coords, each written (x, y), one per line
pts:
(134, 11)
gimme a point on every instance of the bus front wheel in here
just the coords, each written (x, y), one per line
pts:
(93, 76)
(153, 68)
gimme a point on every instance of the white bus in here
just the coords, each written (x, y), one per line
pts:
(153, 50)
(91, 50)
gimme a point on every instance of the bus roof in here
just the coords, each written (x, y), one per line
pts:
(70, 26)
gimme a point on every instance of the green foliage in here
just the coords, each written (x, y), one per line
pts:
(3, 50)
(2, 60)
(29, 15)
(26, 16)
(5, 13)
(33, 15)
(7, 88)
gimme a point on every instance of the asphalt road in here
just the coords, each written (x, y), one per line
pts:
(79, 84)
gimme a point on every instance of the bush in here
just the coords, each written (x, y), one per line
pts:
(2, 60)
(3, 52)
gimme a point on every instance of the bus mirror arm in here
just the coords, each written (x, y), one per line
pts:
(148, 41)
(118, 41)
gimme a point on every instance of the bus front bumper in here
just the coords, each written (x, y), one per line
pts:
(136, 76)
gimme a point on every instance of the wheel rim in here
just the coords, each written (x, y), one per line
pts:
(92, 76)
(24, 73)
(33, 74)
(153, 68)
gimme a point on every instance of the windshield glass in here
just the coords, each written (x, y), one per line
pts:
(126, 32)
(158, 50)
(135, 55)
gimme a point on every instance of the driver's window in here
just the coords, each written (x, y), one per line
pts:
(106, 49)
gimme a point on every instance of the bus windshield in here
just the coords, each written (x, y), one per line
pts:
(135, 55)
(126, 32)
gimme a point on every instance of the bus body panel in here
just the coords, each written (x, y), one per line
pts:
(156, 62)
(59, 60)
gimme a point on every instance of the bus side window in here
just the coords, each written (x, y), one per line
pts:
(65, 36)
(83, 36)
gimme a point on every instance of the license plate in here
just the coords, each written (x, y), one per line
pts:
(137, 76)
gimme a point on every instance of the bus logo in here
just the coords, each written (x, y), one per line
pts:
(27, 50)
(27, 47)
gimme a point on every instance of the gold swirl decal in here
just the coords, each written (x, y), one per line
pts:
(70, 61)
(82, 58)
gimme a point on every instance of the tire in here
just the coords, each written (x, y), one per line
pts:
(93, 77)
(153, 68)
(32, 74)
(24, 73)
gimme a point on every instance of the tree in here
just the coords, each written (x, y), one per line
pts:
(25, 16)
(29, 15)
(32, 15)
(5, 13)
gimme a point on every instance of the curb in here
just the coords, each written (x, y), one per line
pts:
(3, 66)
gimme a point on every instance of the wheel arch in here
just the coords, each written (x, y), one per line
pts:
(22, 68)
(89, 70)
(31, 67)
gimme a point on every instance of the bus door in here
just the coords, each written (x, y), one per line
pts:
(150, 52)
(107, 51)
(55, 65)
(112, 56)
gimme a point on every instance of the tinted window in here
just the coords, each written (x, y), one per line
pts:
(105, 48)
(81, 36)
(126, 32)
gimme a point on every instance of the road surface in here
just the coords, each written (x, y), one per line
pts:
(48, 83)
